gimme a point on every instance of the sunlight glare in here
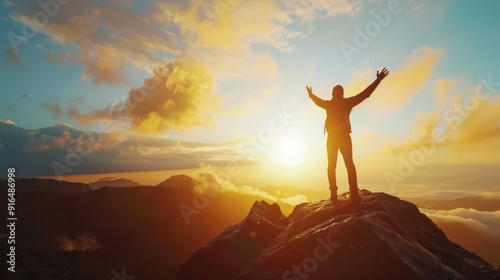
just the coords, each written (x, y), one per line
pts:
(289, 150)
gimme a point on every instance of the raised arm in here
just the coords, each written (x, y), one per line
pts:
(369, 90)
(318, 101)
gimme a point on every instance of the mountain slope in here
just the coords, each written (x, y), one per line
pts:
(143, 229)
(486, 245)
(381, 238)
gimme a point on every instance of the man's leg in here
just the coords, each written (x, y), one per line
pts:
(346, 150)
(332, 152)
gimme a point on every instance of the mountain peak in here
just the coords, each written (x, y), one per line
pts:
(266, 211)
(382, 237)
(178, 180)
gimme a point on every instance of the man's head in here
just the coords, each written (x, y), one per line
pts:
(338, 91)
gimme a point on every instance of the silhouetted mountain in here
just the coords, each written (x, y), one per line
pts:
(485, 245)
(148, 230)
(381, 238)
(121, 182)
(178, 181)
(37, 184)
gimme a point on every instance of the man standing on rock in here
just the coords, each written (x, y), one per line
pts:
(338, 126)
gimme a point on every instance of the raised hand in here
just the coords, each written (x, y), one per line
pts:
(382, 74)
(309, 90)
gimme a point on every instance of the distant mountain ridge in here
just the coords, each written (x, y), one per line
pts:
(38, 184)
(121, 182)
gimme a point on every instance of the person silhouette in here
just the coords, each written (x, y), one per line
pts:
(338, 127)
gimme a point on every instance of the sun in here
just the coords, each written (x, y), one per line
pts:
(289, 150)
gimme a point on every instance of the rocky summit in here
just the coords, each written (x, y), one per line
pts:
(382, 237)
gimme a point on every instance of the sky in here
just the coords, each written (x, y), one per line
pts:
(144, 89)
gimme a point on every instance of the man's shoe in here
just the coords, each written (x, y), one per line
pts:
(355, 196)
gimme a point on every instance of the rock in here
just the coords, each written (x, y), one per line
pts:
(382, 237)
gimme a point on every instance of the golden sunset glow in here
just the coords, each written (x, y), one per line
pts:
(144, 129)
(289, 150)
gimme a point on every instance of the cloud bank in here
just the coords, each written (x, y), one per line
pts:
(177, 96)
(485, 222)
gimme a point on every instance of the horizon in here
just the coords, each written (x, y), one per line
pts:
(410, 194)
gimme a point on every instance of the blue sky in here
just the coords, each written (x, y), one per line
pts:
(228, 74)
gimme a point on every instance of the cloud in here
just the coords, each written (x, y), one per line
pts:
(8, 122)
(34, 152)
(76, 102)
(310, 10)
(265, 67)
(12, 139)
(103, 38)
(402, 84)
(12, 57)
(10, 108)
(230, 26)
(212, 182)
(294, 200)
(178, 96)
(105, 66)
(448, 146)
(462, 127)
(54, 108)
(85, 242)
(40, 142)
(443, 88)
(486, 222)
(438, 194)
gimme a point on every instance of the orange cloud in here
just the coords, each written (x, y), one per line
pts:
(178, 95)
(450, 145)
(460, 133)
(264, 66)
(54, 108)
(85, 242)
(402, 84)
(234, 25)
(443, 88)
(104, 38)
